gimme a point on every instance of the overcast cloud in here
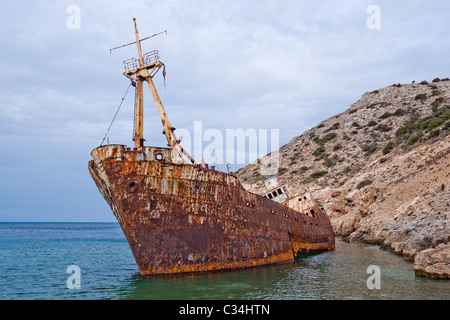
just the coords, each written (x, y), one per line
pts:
(283, 65)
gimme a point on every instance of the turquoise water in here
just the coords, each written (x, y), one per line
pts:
(35, 257)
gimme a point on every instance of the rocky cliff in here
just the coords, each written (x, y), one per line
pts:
(380, 169)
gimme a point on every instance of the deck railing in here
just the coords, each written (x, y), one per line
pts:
(149, 58)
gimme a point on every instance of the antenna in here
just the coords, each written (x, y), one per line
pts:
(110, 50)
(228, 167)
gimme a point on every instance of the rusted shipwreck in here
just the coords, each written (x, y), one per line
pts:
(179, 216)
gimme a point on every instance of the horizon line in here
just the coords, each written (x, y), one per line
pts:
(59, 222)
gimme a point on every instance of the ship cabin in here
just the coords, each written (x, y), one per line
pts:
(274, 191)
(303, 203)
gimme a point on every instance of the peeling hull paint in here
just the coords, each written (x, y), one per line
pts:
(181, 218)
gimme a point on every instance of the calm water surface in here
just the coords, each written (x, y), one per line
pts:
(34, 258)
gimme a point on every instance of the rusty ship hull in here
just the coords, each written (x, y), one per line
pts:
(180, 218)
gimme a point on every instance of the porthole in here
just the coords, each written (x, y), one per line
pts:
(132, 186)
(159, 156)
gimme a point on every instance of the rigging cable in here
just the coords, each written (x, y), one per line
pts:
(123, 98)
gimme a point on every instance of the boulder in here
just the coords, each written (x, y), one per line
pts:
(434, 262)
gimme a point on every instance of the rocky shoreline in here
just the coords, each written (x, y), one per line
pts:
(386, 214)
(433, 262)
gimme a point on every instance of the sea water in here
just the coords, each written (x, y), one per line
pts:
(68, 261)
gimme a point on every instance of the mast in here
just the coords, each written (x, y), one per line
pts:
(144, 69)
(138, 44)
(139, 116)
(139, 112)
